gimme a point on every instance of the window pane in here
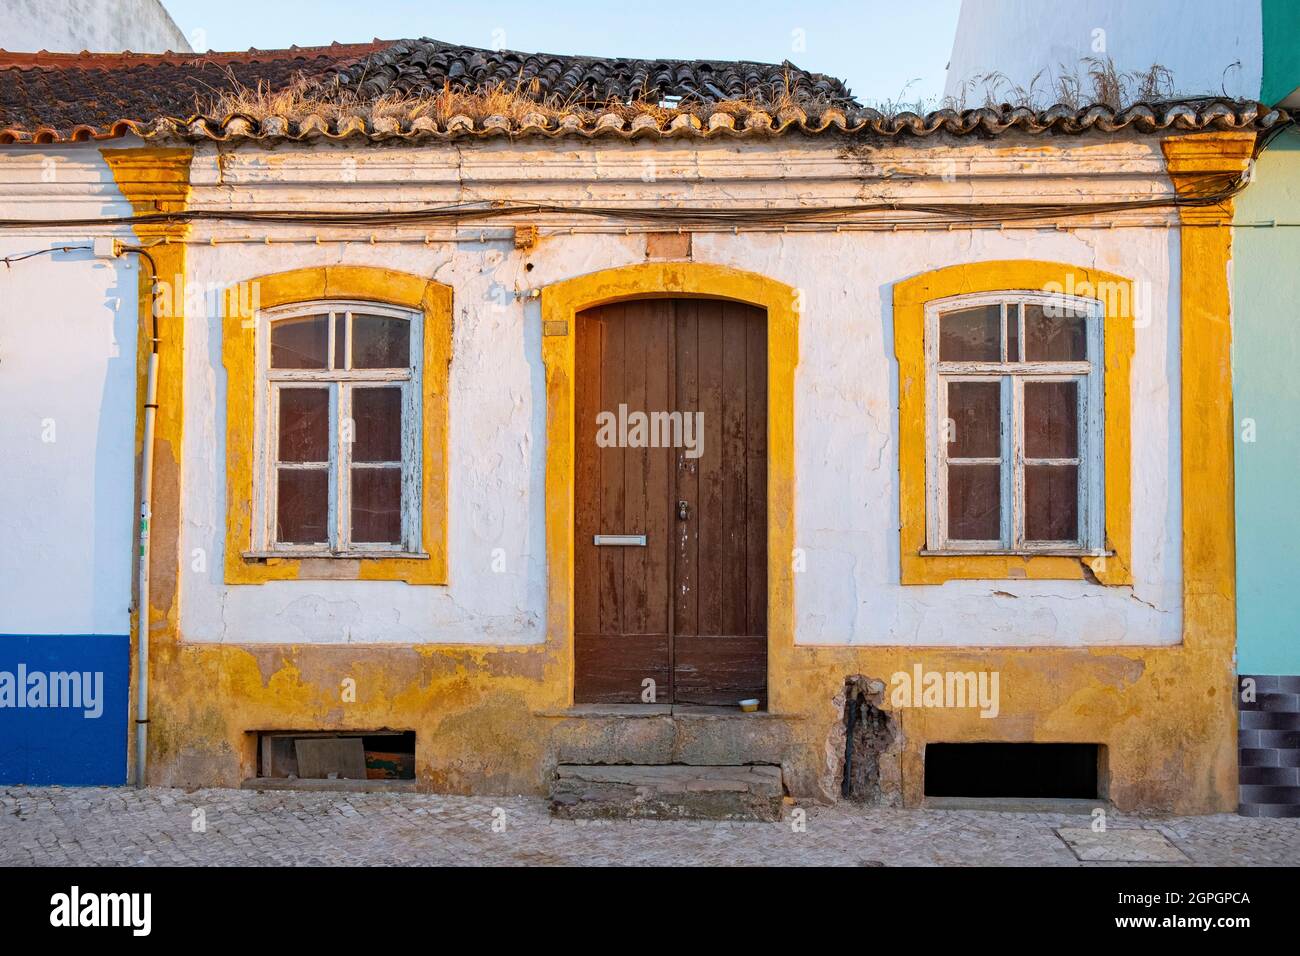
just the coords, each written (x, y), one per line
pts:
(1052, 502)
(975, 411)
(1055, 334)
(302, 506)
(1013, 332)
(974, 502)
(340, 340)
(300, 343)
(304, 424)
(379, 341)
(971, 335)
(377, 424)
(1051, 419)
(377, 505)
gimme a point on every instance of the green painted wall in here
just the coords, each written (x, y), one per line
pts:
(1281, 24)
(1266, 389)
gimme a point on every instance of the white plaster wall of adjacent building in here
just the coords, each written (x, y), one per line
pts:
(1212, 47)
(846, 385)
(67, 402)
(101, 26)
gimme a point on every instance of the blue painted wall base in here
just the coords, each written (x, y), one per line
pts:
(64, 708)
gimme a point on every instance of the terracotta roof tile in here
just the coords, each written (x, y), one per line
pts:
(52, 97)
(857, 123)
(419, 67)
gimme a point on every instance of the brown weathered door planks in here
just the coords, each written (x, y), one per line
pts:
(756, 478)
(686, 585)
(720, 656)
(621, 593)
(689, 610)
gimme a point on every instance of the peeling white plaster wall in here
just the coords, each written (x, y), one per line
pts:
(846, 382)
(846, 439)
(496, 444)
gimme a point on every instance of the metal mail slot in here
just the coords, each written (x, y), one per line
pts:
(620, 540)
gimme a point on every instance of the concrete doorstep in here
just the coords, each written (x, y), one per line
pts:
(670, 792)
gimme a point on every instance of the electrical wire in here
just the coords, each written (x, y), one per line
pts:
(137, 250)
(1217, 189)
(144, 253)
(10, 260)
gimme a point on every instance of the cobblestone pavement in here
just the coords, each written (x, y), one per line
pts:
(128, 827)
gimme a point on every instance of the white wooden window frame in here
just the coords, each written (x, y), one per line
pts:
(1012, 377)
(340, 383)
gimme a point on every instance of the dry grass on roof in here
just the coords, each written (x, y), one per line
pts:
(515, 103)
(1094, 81)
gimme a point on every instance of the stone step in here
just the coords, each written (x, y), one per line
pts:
(654, 735)
(667, 792)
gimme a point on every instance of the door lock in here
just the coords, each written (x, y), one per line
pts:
(683, 510)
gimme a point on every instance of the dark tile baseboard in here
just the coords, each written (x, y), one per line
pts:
(1268, 742)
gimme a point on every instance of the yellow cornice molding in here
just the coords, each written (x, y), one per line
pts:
(1204, 162)
(152, 180)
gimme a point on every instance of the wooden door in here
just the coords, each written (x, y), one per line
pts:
(720, 560)
(683, 616)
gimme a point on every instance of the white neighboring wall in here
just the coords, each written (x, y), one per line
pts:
(67, 403)
(101, 26)
(1210, 46)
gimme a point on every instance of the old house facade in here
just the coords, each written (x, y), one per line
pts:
(920, 396)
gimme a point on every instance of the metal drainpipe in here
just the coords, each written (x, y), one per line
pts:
(146, 502)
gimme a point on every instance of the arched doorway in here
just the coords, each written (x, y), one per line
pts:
(562, 302)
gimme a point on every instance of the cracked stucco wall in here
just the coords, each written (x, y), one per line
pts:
(846, 397)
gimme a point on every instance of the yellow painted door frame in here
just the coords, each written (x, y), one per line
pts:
(561, 302)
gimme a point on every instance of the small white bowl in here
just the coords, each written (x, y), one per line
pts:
(749, 705)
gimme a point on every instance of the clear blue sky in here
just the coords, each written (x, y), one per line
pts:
(879, 48)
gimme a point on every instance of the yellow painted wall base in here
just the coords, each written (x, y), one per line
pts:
(486, 720)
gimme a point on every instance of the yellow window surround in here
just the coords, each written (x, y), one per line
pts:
(1115, 294)
(365, 283)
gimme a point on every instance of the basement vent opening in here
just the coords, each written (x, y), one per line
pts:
(312, 755)
(1043, 771)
